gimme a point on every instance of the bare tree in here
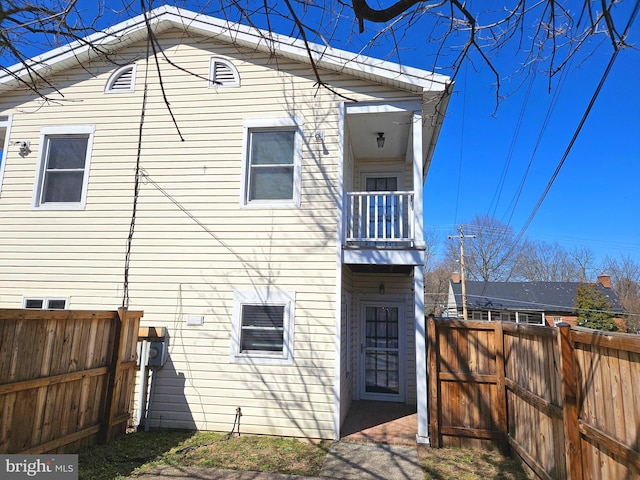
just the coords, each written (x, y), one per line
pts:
(436, 288)
(625, 276)
(547, 262)
(543, 36)
(494, 255)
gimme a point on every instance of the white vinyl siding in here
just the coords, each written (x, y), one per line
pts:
(123, 80)
(63, 171)
(223, 73)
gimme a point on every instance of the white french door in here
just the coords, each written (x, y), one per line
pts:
(382, 353)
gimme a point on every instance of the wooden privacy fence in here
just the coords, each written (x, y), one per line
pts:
(565, 400)
(66, 377)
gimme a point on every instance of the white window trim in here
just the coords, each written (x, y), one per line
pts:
(108, 88)
(275, 124)
(379, 172)
(527, 315)
(5, 147)
(45, 301)
(263, 297)
(37, 187)
(236, 75)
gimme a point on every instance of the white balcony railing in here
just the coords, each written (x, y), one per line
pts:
(383, 219)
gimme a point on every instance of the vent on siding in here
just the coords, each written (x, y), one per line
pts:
(223, 74)
(122, 81)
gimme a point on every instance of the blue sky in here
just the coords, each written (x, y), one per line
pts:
(595, 198)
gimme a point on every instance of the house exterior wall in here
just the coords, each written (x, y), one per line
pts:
(181, 267)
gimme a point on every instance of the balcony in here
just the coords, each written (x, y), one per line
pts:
(380, 232)
(380, 219)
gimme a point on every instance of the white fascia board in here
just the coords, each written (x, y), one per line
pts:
(110, 39)
(324, 56)
(164, 17)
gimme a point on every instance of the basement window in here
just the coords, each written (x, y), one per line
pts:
(44, 303)
(263, 327)
(222, 73)
(122, 81)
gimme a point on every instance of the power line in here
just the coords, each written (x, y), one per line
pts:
(581, 124)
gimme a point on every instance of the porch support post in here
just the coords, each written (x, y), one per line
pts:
(421, 356)
(418, 285)
(418, 180)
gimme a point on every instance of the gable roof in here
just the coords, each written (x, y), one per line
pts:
(531, 296)
(167, 17)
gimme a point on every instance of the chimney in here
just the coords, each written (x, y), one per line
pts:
(455, 277)
(604, 280)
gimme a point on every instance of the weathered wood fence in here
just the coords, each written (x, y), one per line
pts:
(66, 377)
(565, 400)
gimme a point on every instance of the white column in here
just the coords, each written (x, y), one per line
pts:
(418, 286)
(421, 356)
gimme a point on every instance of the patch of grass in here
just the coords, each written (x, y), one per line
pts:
(126, 453)
(131, 455)
(137, 453)
(468, 464)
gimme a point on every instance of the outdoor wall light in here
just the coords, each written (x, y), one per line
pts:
(24, 147)
(381, 289)
(380, 139)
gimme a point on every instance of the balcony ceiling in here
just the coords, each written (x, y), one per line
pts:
(363, 131)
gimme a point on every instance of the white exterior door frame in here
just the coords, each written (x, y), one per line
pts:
(381, 353)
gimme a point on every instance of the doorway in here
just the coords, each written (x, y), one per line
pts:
(382, 352)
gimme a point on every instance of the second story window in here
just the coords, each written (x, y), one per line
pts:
(64, 165)
(4, 143)
(272, 169)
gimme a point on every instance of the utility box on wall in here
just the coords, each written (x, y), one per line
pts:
(157, 354)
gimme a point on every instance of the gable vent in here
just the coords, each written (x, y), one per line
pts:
(223, 74)
(122, 81)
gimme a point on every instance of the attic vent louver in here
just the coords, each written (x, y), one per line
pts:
(122, 81)
(223, 74)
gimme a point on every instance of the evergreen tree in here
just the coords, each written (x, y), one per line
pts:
(593, 309)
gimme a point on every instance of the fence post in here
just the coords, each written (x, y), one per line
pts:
(114, 377)
(569, 389)
(501, 394)
(434, 401)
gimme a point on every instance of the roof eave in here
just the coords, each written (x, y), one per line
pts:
(165, 17)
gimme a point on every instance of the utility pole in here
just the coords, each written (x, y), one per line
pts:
(463, 281)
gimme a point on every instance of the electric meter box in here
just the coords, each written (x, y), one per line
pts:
(157, 354)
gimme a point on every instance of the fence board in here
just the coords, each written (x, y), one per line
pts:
(564, 399)
(55, 370)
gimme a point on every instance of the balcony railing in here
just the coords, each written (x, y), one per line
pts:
(380, 219)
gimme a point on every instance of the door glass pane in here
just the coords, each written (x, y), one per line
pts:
(382, 365)
(383, 209)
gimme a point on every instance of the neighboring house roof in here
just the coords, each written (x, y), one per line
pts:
(531, 296)
(166, 17)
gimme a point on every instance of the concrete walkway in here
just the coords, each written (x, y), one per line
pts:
(345, 461)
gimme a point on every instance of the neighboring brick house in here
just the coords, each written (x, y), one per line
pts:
(537, 303)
